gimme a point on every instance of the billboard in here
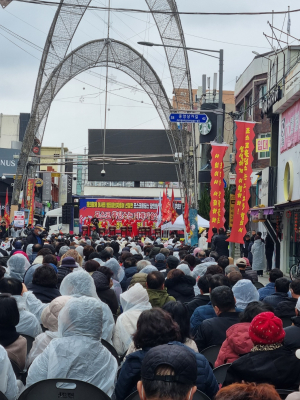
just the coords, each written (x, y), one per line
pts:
(128, 142)
(106, 208)
(8, 164)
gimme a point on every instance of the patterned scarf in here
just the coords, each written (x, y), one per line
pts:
(266, 347)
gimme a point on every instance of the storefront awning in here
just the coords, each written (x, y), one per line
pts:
(266, 211)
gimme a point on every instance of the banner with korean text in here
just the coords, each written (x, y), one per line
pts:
(30, 199)
(244, 145)
(217, 198)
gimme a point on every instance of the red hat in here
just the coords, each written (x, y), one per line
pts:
(266, 328)
(247, 261)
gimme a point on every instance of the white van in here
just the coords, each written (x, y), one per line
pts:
(53, 221)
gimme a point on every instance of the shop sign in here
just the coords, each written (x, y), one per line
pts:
(263, 145)
(289, 128)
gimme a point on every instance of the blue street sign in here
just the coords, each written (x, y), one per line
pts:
(191, 118)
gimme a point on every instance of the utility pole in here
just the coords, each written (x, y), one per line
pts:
(220, 117)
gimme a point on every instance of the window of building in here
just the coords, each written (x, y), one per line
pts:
(262, 94)
(250, 109)
(264, 154)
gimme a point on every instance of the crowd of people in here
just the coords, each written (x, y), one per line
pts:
(159, 304)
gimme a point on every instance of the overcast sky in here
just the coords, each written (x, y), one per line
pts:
(79, 106)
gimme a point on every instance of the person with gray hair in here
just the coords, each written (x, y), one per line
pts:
(231, 268)
(110, 250)
(142, 264)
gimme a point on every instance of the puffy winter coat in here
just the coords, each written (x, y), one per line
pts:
(139, 278)
(181, 287)
(131, 373)
(129, 272)
(45, 294)
(212, 331)
(279, 367)
(200, 314)
(275, 298)
(237, 343)
(158, 298)
(252, 274)
(198, 301)
(286, 308)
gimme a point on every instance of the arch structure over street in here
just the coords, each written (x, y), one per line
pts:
(53, 71)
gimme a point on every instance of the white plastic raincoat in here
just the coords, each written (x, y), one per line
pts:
(185, 269)
(133, 303)
(77, 353)
(244, 292)
(148, 269)
(49, 319)
(8, 382)
(17, 265)
(28, 324)
(82, 284)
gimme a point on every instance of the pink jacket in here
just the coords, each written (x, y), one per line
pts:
(237, 343)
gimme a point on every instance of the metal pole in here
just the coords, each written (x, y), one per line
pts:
(220, 116)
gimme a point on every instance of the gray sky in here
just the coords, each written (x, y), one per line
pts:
(79, 106)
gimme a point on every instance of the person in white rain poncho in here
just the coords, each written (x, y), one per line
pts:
(8, 382)
(77, 353)
(82, 284)
(118, 275)
(185, 269)
(133, 303)
(244, 293)
(17, 265)
(49, 321)
(28, 323)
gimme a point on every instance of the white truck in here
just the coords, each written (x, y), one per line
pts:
(53, 221)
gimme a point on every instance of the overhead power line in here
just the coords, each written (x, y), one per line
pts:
(134, 10)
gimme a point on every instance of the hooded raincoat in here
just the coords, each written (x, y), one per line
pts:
(82, 284)
(8, 382)
(119, 274)
(259, 257)
(244, 292)
(133, 303)
(17, 265)
(49, 320)
(28, 324)
(77, 353)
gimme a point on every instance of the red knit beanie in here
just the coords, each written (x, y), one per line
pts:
(266, 328)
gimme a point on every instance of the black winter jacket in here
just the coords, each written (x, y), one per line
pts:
(181, 287)
(129, 272)
(61, 273)
(286, 308)
(199, 300)
(275, 298)
(221, 246)
(131, 373)
(32, 239)
(279, 367)
(212, 331)
(45, 294)
(292, 334)
(104, 292)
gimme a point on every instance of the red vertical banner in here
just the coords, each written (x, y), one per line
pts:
(217, 198)
(6, 209)
(30, 199)
(244, 145)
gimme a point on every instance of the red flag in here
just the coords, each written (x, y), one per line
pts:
(244, 144)
(186, 216)
(6, 209)
(166, 207)
(173, 211)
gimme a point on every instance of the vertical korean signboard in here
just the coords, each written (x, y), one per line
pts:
(30, 199)
(217, 198)
(244, 144)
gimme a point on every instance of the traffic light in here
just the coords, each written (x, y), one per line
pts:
(67, 213)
